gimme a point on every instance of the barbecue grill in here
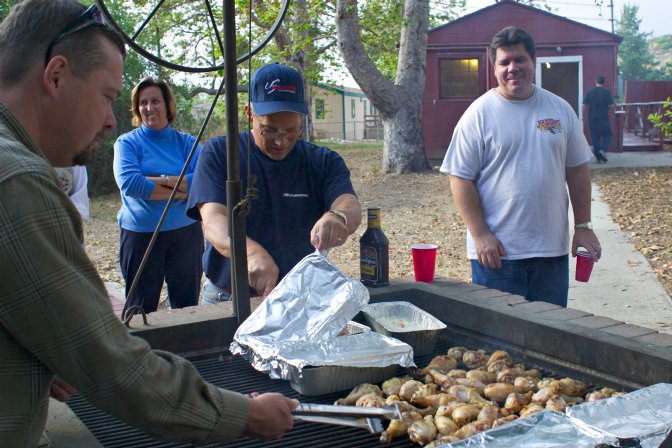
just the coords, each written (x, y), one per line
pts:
(559, 341)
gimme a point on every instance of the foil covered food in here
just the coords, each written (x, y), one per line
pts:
(298, 325)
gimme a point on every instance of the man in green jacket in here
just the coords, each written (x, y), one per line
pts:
(60, 71)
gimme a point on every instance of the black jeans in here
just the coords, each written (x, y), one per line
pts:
(175, 258)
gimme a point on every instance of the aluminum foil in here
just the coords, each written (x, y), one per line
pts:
(406, 322)
(298, 324)
(645, 414)
(369, 349)
(400, 317)
(545, 429)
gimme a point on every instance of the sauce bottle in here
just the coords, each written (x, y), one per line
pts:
(374, 252)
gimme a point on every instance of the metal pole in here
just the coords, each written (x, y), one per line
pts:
(239, 284)
(611, 5)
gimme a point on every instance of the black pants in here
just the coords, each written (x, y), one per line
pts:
(176, 257)
(601, 135)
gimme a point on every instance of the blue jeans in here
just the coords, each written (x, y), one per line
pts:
(536, 279)
(211, 293)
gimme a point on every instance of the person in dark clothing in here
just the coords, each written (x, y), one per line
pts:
(305, 198)
(598, 101)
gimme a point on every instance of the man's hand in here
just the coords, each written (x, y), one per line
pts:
(489, 250)
(61, 390)
(270, 416)
(587, 239)
(329, 231)
(262, 271)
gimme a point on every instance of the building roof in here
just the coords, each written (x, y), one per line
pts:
(493, 12)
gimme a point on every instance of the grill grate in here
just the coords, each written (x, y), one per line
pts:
(235, 373)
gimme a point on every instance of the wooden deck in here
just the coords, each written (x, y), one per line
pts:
(633, 142)
(634, 129)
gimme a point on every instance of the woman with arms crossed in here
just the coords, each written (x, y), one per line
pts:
(147, 163)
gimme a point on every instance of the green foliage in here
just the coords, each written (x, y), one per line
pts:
(136, 67)
(636, 61)
(304, 39)
(662, 42)
(5, 7)
(661, 49)
(663, 121)
(101, 177)
(381, 22)
(633, 53)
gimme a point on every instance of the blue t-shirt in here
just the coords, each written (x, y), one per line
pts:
(293, 194)
(146, 152)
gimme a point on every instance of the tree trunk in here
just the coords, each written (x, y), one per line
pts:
(403, 151)
(399, 103)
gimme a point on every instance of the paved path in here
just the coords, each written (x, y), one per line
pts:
(635, 159)
(623, 286)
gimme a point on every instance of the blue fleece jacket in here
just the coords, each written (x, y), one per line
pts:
(147, 152)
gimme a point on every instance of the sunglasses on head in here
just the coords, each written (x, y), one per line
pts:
(91, 17)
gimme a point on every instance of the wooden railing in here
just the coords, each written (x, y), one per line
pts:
(636, 119)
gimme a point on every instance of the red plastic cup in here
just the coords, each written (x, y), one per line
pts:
(584, 265)
(424, 262)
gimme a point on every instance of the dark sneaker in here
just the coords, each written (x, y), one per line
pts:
(601, 157)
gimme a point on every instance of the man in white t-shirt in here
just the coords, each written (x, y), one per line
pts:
(515, 153)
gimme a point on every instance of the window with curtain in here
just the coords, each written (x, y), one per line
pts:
(458, 77)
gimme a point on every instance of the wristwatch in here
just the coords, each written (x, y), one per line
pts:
(341, 215)
(164, 180)
(584, 225)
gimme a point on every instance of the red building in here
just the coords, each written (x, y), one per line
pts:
(570, 55)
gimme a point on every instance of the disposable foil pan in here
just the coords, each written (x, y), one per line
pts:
(350, 360)
(327, 379)
(406, 322)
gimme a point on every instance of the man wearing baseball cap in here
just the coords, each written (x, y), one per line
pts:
(305, 199)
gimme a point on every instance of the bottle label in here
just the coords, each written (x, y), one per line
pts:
(368, 260)
(373, 218)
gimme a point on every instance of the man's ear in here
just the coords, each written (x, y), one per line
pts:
(54, 74)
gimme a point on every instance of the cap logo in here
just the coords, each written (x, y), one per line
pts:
(275, 86)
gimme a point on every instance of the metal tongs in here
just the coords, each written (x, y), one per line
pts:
(356, 416)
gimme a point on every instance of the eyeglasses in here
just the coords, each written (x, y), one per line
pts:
(91, 17)
(277, 135)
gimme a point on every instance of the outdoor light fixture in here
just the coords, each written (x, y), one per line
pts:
(558, 49)
(548, 65)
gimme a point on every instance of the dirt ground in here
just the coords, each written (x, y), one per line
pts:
(418, 208)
